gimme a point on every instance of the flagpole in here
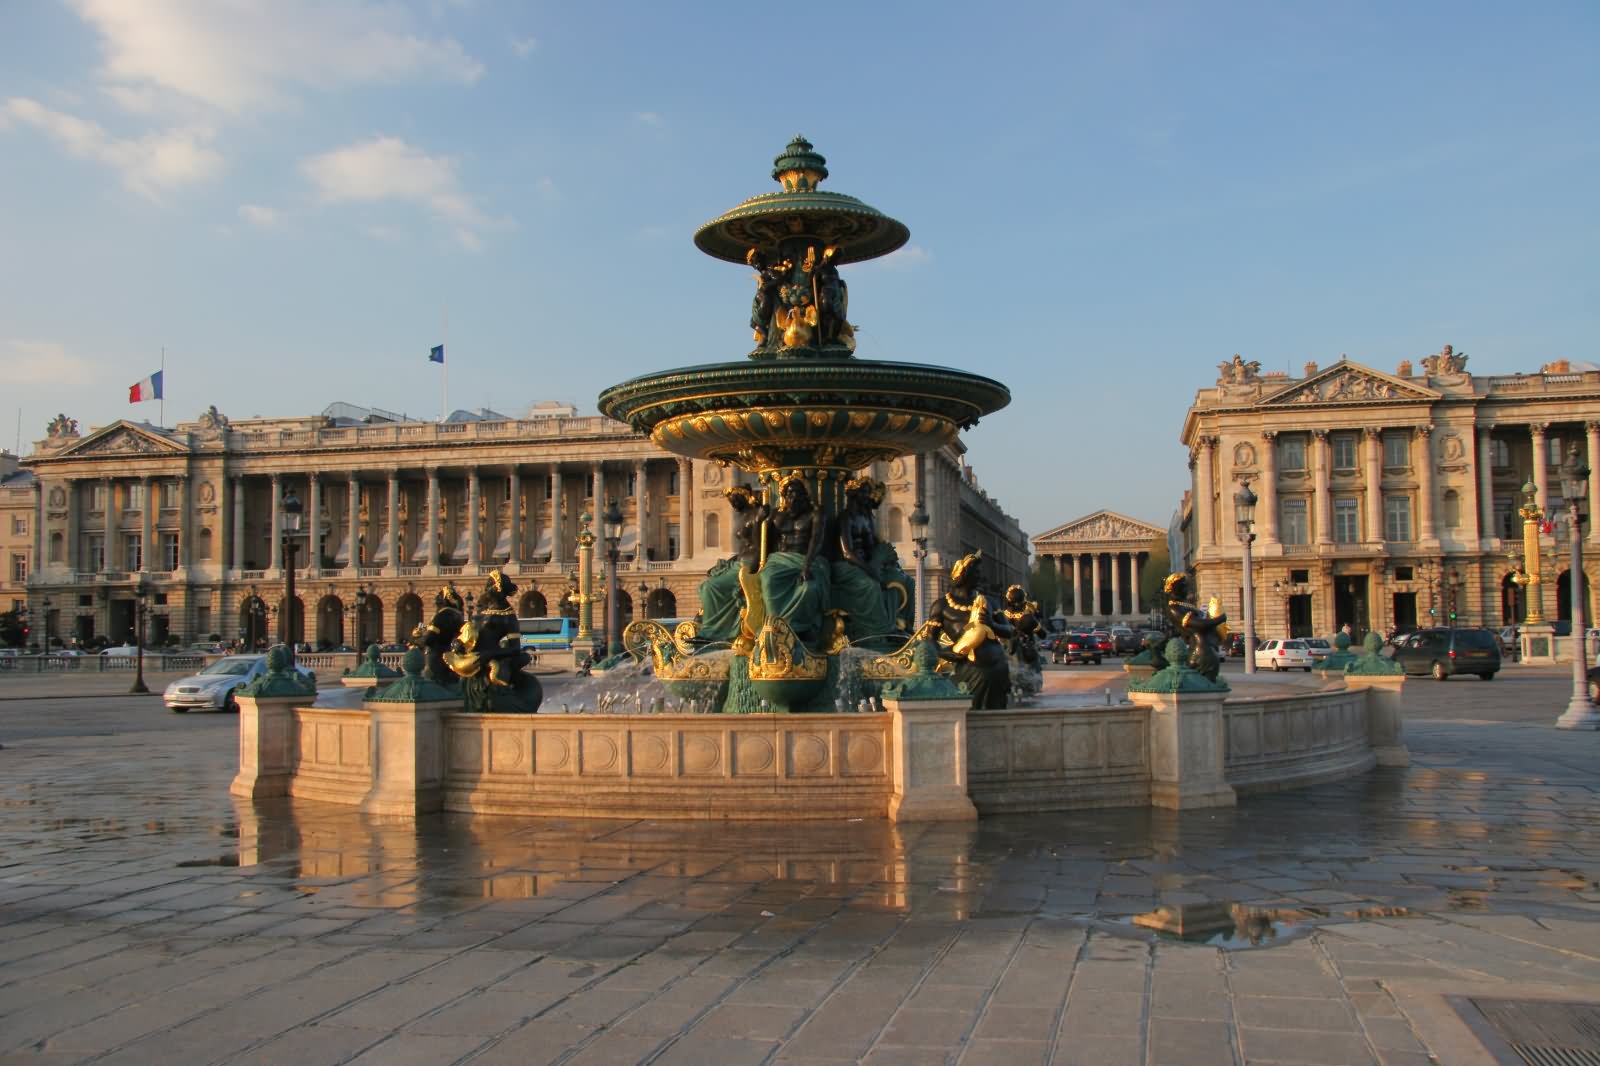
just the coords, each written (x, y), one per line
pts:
(444, 400)
(161, 408)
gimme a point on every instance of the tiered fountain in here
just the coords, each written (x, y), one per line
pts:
(801, 415)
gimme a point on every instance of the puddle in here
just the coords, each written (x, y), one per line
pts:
(1235, 927)
(220, 860)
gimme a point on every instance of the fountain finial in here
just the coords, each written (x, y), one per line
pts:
(799, 168)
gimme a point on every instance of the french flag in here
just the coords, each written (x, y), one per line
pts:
(148, 389)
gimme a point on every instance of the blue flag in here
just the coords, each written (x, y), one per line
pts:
(436, 354)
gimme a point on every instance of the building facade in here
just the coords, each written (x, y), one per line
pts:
(1386, 500)
(16, 533)
(1098, 560)
(392, 510)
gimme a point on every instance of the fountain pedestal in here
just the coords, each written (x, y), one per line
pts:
(266, 746)
(1187, 753)
(928, 765)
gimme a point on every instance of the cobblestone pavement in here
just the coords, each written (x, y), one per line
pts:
(147, 918)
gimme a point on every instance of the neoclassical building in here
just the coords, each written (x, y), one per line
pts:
(399, 508)
(16, 533)
(1098, 559)
(1385, 499)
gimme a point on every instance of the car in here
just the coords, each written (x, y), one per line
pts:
(1102, 640)
(1443, 653)
(1319, 647)
(122, 650)
(1278, 654)
(213, 687)
(1125, 640)
(1077, 648)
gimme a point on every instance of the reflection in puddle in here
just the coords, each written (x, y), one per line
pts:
(1233, 926)
(231, 859)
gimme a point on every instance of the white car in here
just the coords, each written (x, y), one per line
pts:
(1283, 654)
(213, 687)
(125, 650)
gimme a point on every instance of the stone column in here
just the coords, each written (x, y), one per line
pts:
(1204, 492)
(1422, 459)
(1092, 584)
(1322, 501)
(1373, 460)
(514, 507)
(1061, 581)
(1593, 429)
(146, 525)
(114, 559)
(1187, 749)
(353, 522)
(1114, 558)
(1077, 584)
(274, 537)
(558, 547)
(1541, 473)
(929, 761)
(475, 533)
(1486, 483)
(1133, 579)
(686, 537)
(238, 523)
(641, 506)
(313, 521)
(392, 568)
(433, 518)
(1267, 525)
(185, 523)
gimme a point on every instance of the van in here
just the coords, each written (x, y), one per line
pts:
(547, 634)
(1443, 653)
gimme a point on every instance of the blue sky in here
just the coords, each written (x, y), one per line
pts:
(1105, 201)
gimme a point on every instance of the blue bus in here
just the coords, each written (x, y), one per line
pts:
(547, 634)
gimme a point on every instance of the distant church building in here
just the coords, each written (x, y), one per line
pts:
(1098, 560)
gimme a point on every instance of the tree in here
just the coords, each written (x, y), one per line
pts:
(1042, 585)
(1153, 573)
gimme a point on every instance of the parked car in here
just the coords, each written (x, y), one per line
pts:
(1077, 648)
(1446, 652)
(213, 688)
(121, 650)
(1279, 654)
(1319, 647)
(1510, 640)
(1124, 640)
(1102, 640)
(1234, 647)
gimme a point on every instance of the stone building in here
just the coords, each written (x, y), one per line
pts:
(16, 533)
(1098, 560)
(400, 507)
(1386, 500)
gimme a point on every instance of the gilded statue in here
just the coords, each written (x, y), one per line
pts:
(487, 654)
(1202, 629)
(972, 636)
(731, 588)
(435, 636)
(800, 300)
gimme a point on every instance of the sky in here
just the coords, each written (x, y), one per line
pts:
(297, 199)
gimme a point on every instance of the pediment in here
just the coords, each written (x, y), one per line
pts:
(125, 438)
(1100, 527)
(1347, 382)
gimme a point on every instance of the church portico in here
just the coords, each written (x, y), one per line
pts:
(1098, 561)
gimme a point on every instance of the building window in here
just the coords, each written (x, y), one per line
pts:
(169, 551)
(1505, 519)
(19, 569)
(1292, 521)
(19, 525)
(1403, 573)
(1397, 518)
(633, 483)
(1299, 577)
(95, 556)
(672, 485)
(133, 553)
(549, 486)
(1499, 455)
(588, 487)
(97, 497)
(205, 543)
(893, 527)
(1344, 451)
(713, 537)
(672, 541)
(1396, 451)
(57, 547)
(1346, 519)
(135, 496)
(169, 495)
(1452, 509)
(1292, 453)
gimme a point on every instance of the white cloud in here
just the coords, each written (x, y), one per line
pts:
(249, 54)
(150, 164)
(906, 257)
(260, 216)
(652, 119)
(30, 362)
(389, 169)
(524, 46)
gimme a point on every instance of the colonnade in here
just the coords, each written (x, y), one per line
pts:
(1104, 583)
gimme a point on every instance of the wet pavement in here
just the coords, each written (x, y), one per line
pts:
(147, 917)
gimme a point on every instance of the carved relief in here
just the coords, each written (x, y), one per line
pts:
(1448, 363)
(208, 492)
(1244, 455)
(1102, 527)
(1451, 447)
(1237, 371)
(58, 497)
(1352, 385)
(713, 474)
(61, 426)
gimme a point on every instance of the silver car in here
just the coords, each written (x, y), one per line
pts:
(213, 688)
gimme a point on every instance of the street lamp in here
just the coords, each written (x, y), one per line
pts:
(1580, 713)
(1244, 517)
(611, 527)
(46, 626)
(292, 510)
(361, 609)
(919, 537)
(585, 579)
(140, 591)
(639, 608)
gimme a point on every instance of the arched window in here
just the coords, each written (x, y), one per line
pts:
(205, 543)
(1452, 509)
(894, 526)
(56, 543)
(713, 537)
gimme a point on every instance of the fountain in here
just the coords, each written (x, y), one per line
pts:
(801, 415)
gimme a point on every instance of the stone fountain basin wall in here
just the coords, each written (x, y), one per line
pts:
(918, 761)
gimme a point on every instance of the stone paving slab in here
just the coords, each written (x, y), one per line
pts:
(146, 917)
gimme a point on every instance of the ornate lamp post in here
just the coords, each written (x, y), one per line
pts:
(140, 592)
(46, 626)
(585, 578)
(639, 607)
(1532, 515)
(919, 537)
(1580, 713)
(292, 510)
(1244, 517)
(611, 526)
